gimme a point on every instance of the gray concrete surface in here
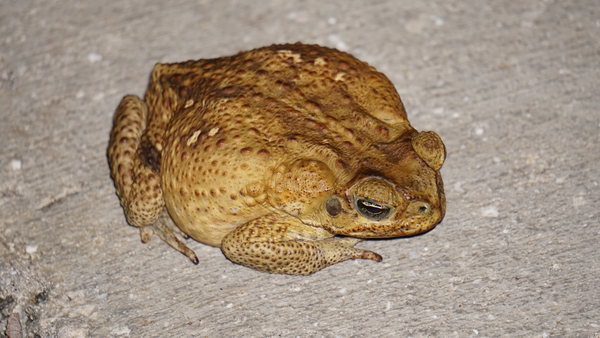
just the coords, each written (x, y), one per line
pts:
(511, 86)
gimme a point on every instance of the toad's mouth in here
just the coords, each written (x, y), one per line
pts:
(418, 218)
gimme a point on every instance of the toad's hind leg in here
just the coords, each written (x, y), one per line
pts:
(283, 244)
(135, 168)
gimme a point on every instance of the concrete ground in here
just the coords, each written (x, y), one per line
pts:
(512, 87)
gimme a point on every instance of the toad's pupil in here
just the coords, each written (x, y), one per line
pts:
(372, 210)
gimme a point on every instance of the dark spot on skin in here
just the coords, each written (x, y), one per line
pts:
(340, 164)
(149, 156)
(183, 91)
(226, 92)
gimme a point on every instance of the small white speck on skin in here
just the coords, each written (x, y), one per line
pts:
(340, 76)
(15, 164)
(490, 212)
(194, 137)
(31, 249)
(213, 131)
(320, 62)
(94, 57)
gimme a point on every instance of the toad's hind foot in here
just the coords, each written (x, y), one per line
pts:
(167, 234)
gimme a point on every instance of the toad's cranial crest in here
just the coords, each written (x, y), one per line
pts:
(284, 156)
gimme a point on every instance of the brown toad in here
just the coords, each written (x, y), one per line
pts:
(284, 156)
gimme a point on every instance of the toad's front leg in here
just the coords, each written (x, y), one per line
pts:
(283, 244)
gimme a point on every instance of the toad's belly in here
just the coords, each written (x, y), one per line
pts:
(212, 189)
(208, 219)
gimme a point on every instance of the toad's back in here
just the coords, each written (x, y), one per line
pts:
(232, 122)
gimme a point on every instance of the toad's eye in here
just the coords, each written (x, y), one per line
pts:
(371, 209)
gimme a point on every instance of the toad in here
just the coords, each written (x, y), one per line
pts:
(285, 157)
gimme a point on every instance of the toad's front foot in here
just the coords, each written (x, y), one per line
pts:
(285, 245)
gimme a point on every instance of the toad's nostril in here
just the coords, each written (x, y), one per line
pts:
(423, 208)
